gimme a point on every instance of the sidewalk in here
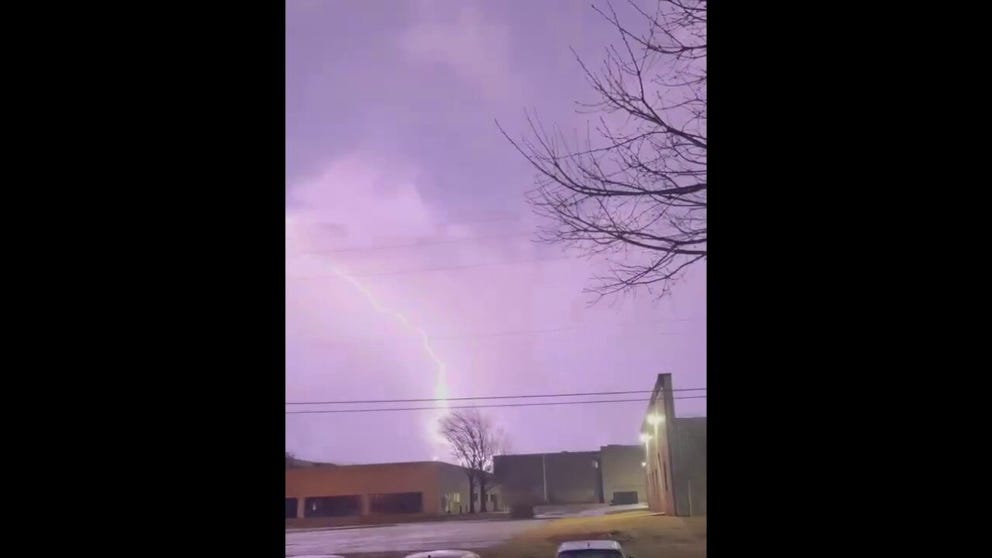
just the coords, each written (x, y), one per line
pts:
(335, 523)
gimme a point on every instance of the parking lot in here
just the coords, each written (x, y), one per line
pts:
(410, 537)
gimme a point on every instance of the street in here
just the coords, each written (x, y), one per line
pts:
(559, 512)
(405, 537)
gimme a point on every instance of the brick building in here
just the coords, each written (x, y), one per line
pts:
(342, 493)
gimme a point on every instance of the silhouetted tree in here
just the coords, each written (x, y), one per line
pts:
(634, 188)
(473, 441)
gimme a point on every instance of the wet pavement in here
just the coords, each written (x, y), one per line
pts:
(556, 512)
(407, 537)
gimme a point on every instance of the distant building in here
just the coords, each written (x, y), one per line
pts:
(676, 455)
(668, 472)
(623, 475)
(294, 463)
(344, 493)
(611, 475)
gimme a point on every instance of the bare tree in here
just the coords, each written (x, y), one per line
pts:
(474, 441)
(634, 188)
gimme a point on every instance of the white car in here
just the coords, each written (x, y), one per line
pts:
(444, 554)
(591, 549)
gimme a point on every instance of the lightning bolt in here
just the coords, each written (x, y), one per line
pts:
(441, 379)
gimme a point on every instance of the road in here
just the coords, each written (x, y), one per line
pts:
(556, 512)
(410, 537)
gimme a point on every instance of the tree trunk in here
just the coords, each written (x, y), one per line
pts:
(482, 493)
(471, 493)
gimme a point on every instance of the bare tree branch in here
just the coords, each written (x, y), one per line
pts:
(636, 188)
(473, 441)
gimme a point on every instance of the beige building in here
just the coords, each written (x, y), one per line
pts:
(676, 455)
(612, 475)
(624, 479)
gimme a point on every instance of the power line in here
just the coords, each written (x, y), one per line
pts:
(431, 269)
(449, 222)
(482, 397)
(543, 404)
(507, 333)
(413, 244)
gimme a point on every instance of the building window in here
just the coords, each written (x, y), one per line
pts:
(291, 505)
(398, 502)
(451, 502)
(333, 506)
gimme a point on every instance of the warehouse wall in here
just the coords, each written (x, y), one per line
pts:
(623, 473)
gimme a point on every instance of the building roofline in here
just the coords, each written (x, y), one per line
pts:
(566, 452)
(382, 464)
(656, 396)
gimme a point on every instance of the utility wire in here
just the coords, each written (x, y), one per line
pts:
(506, 333)
(431, 269)
(376, 248)
(495, 405)
(481, 397)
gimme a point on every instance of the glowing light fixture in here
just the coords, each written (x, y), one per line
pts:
(655, 419)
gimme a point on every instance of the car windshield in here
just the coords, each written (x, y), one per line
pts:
(590, 553)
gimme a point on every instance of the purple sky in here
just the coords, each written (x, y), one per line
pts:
(390, 141)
